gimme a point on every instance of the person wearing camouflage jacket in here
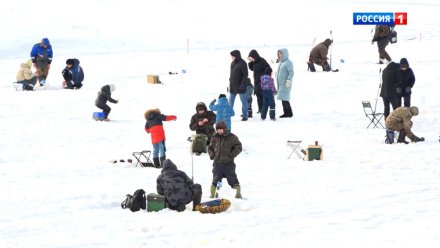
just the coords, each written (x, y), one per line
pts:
(177, 187)
(400, 120)
(224, 147)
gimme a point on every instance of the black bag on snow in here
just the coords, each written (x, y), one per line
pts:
(136, 201)
(393, 35)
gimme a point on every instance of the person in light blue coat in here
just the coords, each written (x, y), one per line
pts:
(224, 110)
(284, 81)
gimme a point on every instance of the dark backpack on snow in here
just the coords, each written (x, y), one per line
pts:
(136, 201)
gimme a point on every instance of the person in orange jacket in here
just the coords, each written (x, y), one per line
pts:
(154, 126)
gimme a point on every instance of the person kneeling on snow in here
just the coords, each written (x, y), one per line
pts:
(73, 75)
(104, 95)
(177, 187)
(26, 77)
(400, 120)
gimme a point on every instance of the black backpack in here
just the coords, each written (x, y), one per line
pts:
(136, 201)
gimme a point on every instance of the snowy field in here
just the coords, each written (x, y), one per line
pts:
(58, 188)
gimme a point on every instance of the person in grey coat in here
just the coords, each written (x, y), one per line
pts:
(177, 187)
(284, 81)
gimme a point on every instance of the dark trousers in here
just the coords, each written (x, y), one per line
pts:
(249, 104)
(224, 170)
(196, 198)
(387, 102)
(406, 100)
(381, 44)
(259, 101)
(105, 108)
(268, 104)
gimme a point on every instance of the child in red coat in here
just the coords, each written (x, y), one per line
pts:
(154, 126)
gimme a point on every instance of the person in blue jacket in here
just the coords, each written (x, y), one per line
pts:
(224, 110)
(73, 75)
(41, 56)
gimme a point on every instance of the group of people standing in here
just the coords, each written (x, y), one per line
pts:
(264, 86)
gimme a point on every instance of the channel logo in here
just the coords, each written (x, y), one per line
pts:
(380, 18)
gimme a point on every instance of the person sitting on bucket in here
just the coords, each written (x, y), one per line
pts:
(177, 187)
(400, 120)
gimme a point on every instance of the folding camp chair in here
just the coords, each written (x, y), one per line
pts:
(372, 115)
(296, 149)
(143, 158)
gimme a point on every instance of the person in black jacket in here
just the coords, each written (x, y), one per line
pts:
(257, 64)
(73, 75)
(177, 187)
(104, 95)
(407, 82)
(388, 92)
(203, 121)
(237, 82)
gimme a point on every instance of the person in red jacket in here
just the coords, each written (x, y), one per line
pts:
(154, 126)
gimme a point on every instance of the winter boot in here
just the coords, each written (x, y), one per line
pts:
(197, 201)
(238, 191)
(156, 162)
(311, 67)
(289, 113)
(161, 161)
(417, 139)
(326, 67)
(213, 192)
(401, 138)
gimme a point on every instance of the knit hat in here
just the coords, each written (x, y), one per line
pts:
(69, 62)
(414, 110)
(221, 96)
(112, 87)
(29, 62)
(220, 125)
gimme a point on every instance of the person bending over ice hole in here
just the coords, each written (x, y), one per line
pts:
(400, 120)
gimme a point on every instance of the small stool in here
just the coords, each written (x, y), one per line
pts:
(143, 155)
(294, 144)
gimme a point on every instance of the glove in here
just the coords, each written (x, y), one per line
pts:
(408, 89)
(213, 101)
(399, 90)
(288, 83)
